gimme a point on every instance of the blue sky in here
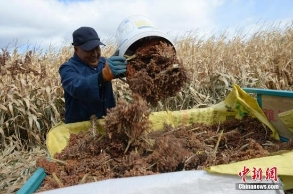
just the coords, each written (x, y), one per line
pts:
(44, 23)
(250, 11)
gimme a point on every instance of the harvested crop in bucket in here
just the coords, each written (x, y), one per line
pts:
(155, 73)
(153, 69)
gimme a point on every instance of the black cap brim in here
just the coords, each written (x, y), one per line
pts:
(91, 45)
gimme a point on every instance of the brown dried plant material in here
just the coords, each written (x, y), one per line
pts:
(128, 121)
(89, 158)
(155, 73)
(169, 153)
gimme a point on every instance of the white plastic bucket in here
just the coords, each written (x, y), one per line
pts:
(133, 29)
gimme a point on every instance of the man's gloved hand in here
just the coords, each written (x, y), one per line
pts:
(115, 66)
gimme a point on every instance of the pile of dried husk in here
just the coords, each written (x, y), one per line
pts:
(130, 148)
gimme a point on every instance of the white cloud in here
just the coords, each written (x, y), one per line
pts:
(45, 22)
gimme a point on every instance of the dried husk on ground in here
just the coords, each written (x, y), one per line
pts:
(17, 163)
(129, 148)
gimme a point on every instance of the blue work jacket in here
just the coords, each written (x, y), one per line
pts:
(85, 92)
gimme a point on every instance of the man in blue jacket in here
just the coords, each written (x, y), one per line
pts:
(86, 77)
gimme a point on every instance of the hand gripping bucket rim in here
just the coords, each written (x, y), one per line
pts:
(135, 28)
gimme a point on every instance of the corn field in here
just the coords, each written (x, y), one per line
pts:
(31, 95)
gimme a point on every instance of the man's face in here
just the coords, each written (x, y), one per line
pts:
(90, 57)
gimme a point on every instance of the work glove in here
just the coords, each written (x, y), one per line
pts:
(115, 66)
